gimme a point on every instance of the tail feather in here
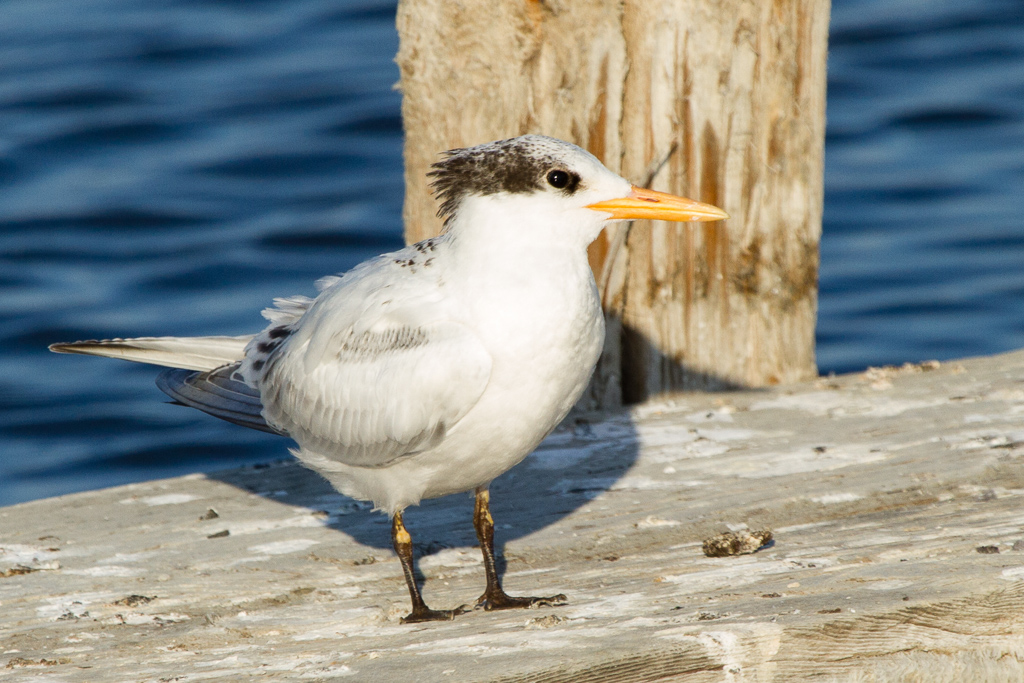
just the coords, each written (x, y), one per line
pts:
(216, 393)
(190, 353)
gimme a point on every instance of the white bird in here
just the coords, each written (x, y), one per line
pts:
(433, 369)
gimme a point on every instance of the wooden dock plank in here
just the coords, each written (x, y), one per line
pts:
(879, 488)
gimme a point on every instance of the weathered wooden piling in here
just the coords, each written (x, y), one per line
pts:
(719, 101)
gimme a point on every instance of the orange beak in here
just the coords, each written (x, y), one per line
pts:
(641, 203)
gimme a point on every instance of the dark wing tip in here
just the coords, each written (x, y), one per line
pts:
(77, 346)
(215, 393)
(88, 346)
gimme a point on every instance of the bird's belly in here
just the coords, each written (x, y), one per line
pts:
(533, 386)
(542, 358)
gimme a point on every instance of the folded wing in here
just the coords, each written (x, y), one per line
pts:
(375, 370)
(218, 393)
(193, 353)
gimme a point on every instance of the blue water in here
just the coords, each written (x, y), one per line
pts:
(922, 254)
(169, 167)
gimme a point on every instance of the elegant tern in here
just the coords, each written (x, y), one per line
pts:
(433, 369)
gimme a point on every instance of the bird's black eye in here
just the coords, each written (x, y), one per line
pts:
(558, 179)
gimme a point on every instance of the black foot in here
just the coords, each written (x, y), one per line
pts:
(503, 601)
(427, 614)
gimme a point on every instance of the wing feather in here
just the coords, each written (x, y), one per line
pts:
(216, 393)
(375, 370)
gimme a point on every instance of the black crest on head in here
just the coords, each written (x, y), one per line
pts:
(515, 166)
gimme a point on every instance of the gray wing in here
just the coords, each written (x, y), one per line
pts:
(378, 368)
(217, 393)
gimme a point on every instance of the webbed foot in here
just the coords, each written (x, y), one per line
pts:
(503, 601)
(424, 613)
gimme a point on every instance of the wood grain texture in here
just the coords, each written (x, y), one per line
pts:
(879, 489)
(720, 101)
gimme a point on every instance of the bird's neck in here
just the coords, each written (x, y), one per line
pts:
(510, 227)
(525, 274)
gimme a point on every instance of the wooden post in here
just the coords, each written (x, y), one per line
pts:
(719, 101)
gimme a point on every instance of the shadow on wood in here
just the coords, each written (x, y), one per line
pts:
(536, 494)
(894, 496)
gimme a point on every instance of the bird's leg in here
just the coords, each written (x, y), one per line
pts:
(403, 546)
(494, 596)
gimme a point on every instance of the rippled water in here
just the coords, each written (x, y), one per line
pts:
(169, 167)
(923, 243)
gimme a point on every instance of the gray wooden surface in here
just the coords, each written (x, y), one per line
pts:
(879, 488)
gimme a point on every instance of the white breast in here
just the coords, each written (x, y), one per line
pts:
(516, 301)
(544, 333)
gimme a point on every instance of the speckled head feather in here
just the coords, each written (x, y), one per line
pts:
(515, 166)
